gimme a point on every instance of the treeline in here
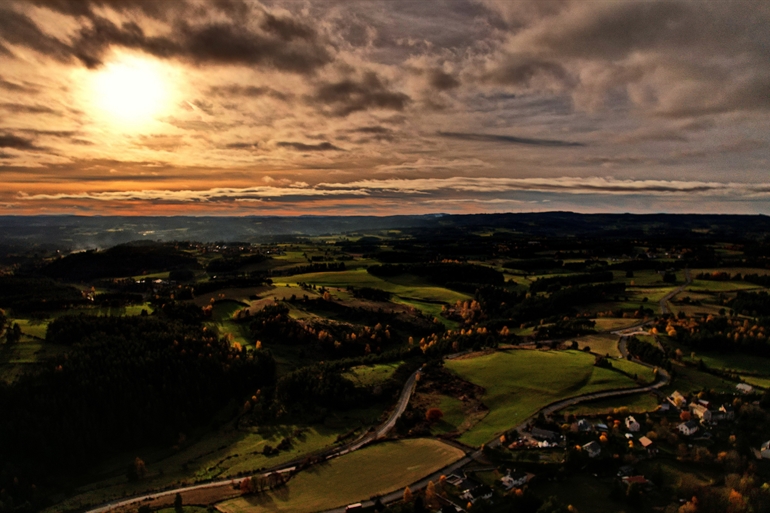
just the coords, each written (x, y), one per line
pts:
(726, 334)
(206, 287)
(562, 301)
(118, 261)
(647, 353)
(551, 284)
(450, 275)
(37, 294)
(370, 293)
(751, 303)
(125, 383)
(228, 264)
(310, 268)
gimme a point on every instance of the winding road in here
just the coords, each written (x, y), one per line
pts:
(406, 393)
(373, 434)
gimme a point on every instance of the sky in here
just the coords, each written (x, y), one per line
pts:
(380, 107)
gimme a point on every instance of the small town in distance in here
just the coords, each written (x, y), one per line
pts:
(483, 364)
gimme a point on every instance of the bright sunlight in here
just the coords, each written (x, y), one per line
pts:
(130, 92)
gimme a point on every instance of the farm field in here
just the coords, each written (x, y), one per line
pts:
(221, 455)
(357, 476)
(612, 323)
(518, 383)
(719, 286)
(636, 403)
(601, 344)
(644, 373)
(372, 375)
(407, 287)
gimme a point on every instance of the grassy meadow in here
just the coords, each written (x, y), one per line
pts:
(375, 470)
(519, 383)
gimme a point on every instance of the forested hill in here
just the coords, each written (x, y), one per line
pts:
(81, 232)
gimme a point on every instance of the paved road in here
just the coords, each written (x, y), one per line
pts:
(664, 309)
(379, 432)
(663, 379)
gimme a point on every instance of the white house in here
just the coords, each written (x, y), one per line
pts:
(632, 425)
(688, 428)
(744, 388)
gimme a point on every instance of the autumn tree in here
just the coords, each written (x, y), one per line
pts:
(430, 495)
(408, 495)
(433, 415)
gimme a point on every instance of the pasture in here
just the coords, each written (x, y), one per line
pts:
(637, 403)
(405, 286)
(375, 470)
(371, 375)
(601, 344)
(518, 383)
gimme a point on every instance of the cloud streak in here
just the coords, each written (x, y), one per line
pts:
(508, 139)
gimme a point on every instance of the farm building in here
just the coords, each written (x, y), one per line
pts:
(701, 411)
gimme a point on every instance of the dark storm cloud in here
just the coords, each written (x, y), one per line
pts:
(374, 132)
(324, 146)
(213, 43)
(676, 57)
(19, 108)
(442, 81)
(521, 71)
(348, 96)
(242, 146)
(17, 88)
(17, 143)
(282, 43)
(18, 29)
(248, 91)
(152, 8)
(507, 139)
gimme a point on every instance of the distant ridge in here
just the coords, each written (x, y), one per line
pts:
(83, 232)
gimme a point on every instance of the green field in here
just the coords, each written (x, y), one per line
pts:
(636, 403)
(372, 375)
(613, 323)
(407, 287)
(452, 408)
(222, 454)
(689, 379)
(352, 478)
(33, 327)
(222, 318)
(602, 344)
(719, 286)
(643, 373)
(519, 383)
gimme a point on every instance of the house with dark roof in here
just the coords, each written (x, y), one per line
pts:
(545, 435)
(688, 428)
(481, 491)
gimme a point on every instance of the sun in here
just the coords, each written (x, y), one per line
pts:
(130, 92)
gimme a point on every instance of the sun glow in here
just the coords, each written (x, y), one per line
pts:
(130, 92)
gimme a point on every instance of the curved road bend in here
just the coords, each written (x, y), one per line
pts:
(379, 432)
